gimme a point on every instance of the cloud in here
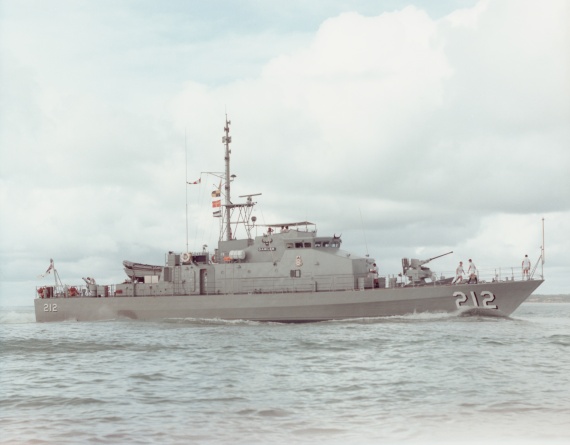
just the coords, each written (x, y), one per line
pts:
(381, 107)
(411, 135)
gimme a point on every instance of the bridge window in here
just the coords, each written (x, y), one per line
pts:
(296, 273)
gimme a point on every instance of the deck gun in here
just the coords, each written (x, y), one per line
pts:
(414, 270)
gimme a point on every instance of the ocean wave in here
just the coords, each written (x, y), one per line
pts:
(407, 318)
(17, 315)
(560, 339)
(217, 322)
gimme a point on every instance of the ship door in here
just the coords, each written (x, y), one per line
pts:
(203, 281)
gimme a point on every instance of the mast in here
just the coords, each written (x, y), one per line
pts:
(543, 253)
(242, 216)
(227, 139)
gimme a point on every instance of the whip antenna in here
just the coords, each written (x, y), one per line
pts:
(363, 231)
(186, 186)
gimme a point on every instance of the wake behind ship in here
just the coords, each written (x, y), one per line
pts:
(288, 274)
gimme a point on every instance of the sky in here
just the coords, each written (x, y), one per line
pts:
(413, 128)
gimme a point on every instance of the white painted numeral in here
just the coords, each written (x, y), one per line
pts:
(461, 300)
(474, 298)
(488, 298)
(486, 302)
(50, 307)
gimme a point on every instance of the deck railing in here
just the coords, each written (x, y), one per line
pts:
(494, 274)
(84, 290)
(484, 275)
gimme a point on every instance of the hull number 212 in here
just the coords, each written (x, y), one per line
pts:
(50, 307)
(485, 300)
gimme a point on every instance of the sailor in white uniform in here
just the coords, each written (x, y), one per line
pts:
(526, 267)
(459, 273)
(472, 272)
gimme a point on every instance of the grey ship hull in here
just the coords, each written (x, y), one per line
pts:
(500, 298)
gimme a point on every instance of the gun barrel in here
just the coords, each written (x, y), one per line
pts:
(439, 256)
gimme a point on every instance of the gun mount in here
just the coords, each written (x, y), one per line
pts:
(416, 272)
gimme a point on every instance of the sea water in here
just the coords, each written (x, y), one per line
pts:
(431, 378)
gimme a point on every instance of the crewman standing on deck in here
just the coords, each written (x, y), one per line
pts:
(459, 273)
(374, 272)
(472, 272)
(526, 267)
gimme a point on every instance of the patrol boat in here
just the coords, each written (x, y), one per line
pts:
(288, 274)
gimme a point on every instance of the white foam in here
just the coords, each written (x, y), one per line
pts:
(17, 315)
